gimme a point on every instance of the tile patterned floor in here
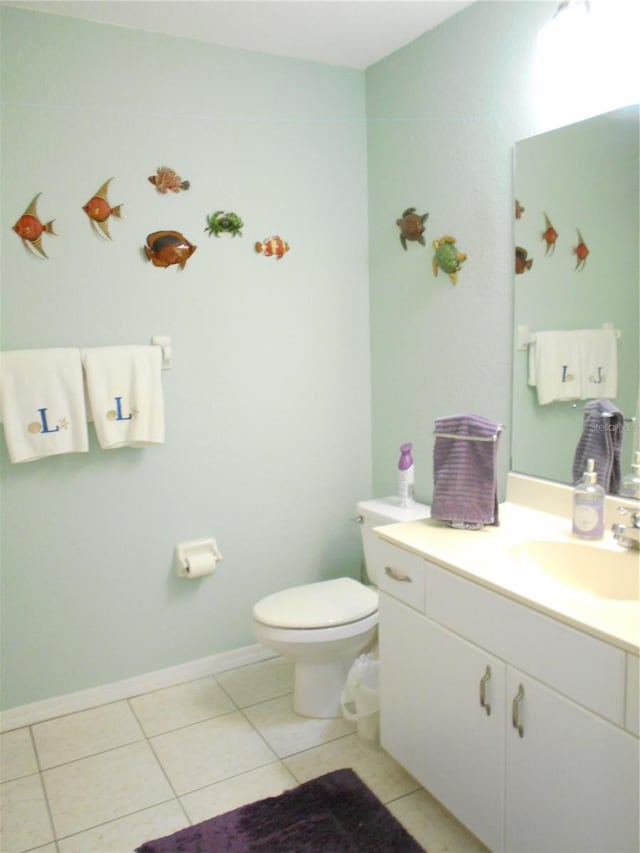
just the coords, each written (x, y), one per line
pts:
(107, 779)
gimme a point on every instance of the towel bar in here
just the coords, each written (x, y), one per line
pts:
(525, 336)
(470, 437)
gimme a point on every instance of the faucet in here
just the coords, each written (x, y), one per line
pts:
(628, 535)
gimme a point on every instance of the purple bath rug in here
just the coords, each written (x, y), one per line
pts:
(335, 813)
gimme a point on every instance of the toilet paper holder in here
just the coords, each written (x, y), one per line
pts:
(197, 558)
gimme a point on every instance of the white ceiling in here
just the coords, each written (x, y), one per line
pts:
(352, 33)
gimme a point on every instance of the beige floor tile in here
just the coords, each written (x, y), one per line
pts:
(432, 825)
(24, 819)
(17, 757)
(208, 752)
(127, 833)
(181, 705)
(103, 787)
(268, 781)
(384, 776)
(258, 682)
(287, 732)
(85, 733)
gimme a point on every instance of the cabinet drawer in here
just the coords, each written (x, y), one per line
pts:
(587, 670)
(401, 574)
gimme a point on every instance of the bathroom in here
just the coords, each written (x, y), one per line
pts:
(293, 382)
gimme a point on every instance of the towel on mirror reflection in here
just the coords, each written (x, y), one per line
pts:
(124, 389)
(601, 440)
(465, 485)
(42, 403)
(555, 366)
(598, 363)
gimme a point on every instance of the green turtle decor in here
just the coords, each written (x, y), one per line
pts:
(447, 257)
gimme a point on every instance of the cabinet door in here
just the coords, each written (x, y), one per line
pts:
(572, 777)
(432, 720)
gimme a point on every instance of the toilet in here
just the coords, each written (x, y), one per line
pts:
(323, 627)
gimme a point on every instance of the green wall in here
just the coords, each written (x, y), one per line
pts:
(267, 402)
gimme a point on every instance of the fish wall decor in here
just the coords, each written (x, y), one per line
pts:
(580, 251)
(166, 180)
(447, 257)
(99, 210)
(550, 236)
(523, 262)
(224, 223)
(519, 210)
(30, 229)
(272, 246)
(165, 248)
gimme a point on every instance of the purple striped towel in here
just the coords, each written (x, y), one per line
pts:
(601, 440)
(464, 470)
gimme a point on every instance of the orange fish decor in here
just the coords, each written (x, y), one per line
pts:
(550, 236)
(166, 248)
(581, 251)
(523, 262)
(273, 246)
(166, 180)
(99, 210)
(30, 229)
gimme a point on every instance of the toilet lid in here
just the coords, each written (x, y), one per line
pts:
(317, 605)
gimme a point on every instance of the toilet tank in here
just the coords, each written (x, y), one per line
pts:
(375, 513)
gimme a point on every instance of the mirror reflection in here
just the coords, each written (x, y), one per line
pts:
(576, 268)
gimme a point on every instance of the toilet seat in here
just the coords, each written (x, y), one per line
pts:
(317, 605)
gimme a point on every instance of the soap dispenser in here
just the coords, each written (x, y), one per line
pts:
(406, 476)
(588, 505)
(631, 482)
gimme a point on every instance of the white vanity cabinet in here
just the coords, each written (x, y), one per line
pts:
(451, 651)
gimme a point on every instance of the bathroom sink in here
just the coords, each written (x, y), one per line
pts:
(604, 572)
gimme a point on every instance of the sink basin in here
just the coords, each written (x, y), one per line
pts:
(603, 572)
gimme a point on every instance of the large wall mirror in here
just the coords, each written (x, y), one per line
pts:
(584, 178)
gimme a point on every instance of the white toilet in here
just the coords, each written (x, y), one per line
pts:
(323, 627)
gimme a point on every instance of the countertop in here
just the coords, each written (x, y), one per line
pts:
(486, 557)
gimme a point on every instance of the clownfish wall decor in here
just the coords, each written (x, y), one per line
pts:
(272, 246)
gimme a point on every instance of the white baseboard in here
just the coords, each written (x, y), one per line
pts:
(57, 706)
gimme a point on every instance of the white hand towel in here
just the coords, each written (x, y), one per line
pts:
(124, 389)
(42, 400)
(554, 366)
(599, 363)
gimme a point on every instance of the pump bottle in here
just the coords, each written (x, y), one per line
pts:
(588, 505)
(631, 482)
(406, 477)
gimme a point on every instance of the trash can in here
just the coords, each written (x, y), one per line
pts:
(361, 697)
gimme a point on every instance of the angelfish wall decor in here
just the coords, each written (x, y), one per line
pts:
(99, 210)
(30, 229)
(580, 251)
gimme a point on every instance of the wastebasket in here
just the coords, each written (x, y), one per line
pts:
(361, 697)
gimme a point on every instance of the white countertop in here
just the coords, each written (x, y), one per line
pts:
(484, 556)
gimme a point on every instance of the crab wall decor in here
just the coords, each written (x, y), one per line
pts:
(411, 226)
(224, 223)
(447, 257)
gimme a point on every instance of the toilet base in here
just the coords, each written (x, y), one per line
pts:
(318, 687)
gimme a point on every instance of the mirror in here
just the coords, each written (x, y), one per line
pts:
(584, 178)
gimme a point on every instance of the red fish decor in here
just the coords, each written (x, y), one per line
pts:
(30, 229)
(523, 263)
(550, 236)
(165, 248)
(272, 246)
(99, 210)
(166, 180)
(581, 251)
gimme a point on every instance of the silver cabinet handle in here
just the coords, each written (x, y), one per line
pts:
(515, 710)
(483, 690)
(397, 576)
